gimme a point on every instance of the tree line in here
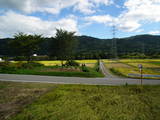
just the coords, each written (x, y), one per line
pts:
(61, 46)
(85, 47)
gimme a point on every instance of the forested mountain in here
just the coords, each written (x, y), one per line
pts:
(89, 47)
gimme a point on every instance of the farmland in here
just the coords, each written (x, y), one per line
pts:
(35, 101)
(89, 63)
(123, 67)
(52, 68)
(120, 67)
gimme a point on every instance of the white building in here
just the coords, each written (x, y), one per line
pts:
(34, 55)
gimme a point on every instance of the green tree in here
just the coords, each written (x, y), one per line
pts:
(63, 45)
(25, 45)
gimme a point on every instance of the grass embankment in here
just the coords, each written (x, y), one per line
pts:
(83, 102)
(68, 71)
(130, 66)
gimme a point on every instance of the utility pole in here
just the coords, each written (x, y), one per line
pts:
(140, 66)
(114, 42)
(142, 45)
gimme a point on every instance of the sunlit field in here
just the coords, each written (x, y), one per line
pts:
(124, 67)
(88, 63)
(50, 63)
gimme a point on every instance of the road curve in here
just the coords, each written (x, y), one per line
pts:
(74, 80)
(106, 71)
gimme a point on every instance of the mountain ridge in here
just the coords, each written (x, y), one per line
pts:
(146, 44)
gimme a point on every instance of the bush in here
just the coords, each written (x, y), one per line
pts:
(20, 58)
(6, 66)
(97, 69)
(31, 65)
(97, 66)
(9, 68)
(84, 68)
(71, 63)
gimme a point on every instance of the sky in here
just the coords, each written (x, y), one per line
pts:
(95, 18)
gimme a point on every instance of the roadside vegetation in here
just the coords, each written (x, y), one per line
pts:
(35, 101)
(70, 68)
(124, 67)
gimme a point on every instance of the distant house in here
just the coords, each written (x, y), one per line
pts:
(1, 59)
(35, 55)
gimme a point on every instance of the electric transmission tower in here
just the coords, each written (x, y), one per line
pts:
(114, 43)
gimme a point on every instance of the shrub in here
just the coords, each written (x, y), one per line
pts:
(97, 69)
(84, 68)
(9, 68)
(31, 65)
(3, 64)
(71, 63)
(20, 58)
(6, 66)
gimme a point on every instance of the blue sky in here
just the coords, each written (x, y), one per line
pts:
(87, 17)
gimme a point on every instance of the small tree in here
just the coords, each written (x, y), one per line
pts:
(63, 45)
(25, 45)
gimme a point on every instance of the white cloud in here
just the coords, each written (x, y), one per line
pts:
(121, 24)
(143, 10)
(156, 32)
(12, 23)
(105, 19)
(53, 6)
(137, 12)
(127, 26)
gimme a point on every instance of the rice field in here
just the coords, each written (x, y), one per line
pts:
(139, 60)
(88, 63)
(50, 63)
(124, 67)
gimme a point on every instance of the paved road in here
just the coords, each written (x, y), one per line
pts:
(106, 71)
(74, 80)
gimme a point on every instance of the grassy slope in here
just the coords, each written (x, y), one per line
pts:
(78, 102)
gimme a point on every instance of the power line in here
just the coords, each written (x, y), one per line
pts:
(114, 42)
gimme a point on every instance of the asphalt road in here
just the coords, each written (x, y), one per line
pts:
(108, 80)
(106, 71)
(74, 80)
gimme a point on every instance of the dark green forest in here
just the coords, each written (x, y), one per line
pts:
(140, 46)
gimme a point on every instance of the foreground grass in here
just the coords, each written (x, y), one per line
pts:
(15, 96)
(83, 102)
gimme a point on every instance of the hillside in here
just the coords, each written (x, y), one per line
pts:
(89, 47)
